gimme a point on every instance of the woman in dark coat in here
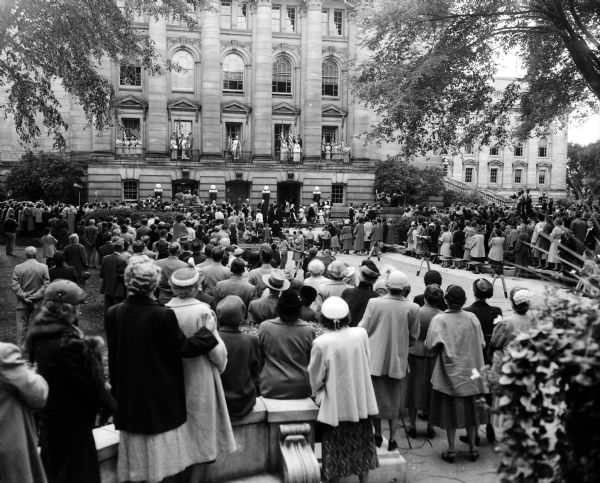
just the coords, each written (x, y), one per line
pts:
(458, 241)
(145, 347)
(72, 366)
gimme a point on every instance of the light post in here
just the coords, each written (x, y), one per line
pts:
(317, 195)
(78, 187)
(266, 194)
(158, 191)
(212, 193)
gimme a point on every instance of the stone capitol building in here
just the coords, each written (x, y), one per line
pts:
(262, 102)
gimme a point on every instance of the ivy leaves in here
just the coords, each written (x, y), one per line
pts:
(549, 394)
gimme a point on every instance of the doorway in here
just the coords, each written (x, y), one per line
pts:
(184, 186)
(289, 191)
(237, 192)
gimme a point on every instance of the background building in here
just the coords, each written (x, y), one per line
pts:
(254, 76)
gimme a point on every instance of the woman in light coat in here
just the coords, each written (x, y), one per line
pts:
(555, 234)
(496, 244)
(340, 378)
(208, 427)
(21, 391)
(359, 237)
(478, 247)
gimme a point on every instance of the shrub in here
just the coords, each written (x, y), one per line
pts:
(453, 197)
(136, 216)
(550, 395)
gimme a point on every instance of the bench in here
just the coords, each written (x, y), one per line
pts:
(474, 266)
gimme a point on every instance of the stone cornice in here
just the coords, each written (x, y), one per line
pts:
(312, 4)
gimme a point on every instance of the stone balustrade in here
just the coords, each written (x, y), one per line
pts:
(275, 442)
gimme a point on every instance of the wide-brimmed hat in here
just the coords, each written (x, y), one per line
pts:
(184, 277)
(276, 280)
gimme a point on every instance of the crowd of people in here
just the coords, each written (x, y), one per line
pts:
(199, 324)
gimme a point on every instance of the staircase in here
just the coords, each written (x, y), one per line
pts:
(488, 195)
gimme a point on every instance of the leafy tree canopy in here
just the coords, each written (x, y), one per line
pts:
(45, 176)
(583, 170)
(414, 185)
(430, 75)
(64, 41)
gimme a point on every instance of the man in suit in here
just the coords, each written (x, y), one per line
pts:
(255, 276)
(29, 282)
(265, 308)
(214, 272)
(90, 235)
(111, 272)
(76, 257)
(168, 266)
(236, 285)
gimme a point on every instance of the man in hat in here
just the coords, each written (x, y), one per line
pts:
(335, 285)
(236, 285)
(266, 308)
(357, 298)
(29, 282)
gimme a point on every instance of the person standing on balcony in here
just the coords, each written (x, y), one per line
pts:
(297, 151)
(235, 145)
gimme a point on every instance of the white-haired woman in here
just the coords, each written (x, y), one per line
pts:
(208, 426)
(145, 348)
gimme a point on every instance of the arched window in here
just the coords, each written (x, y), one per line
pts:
(330, 78)
(233, 74)
(282, 76)
(183, 80)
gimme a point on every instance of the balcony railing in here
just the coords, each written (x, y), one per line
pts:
(339, 158)
(286, 156)
(130, 151)
(237, 156)
(185, 154)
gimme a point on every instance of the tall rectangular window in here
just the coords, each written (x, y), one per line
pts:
(468, 175)
(542, 176)
(338, 23)
(518, 176)
(130, 75)
(276, 18)
(493, 175)
(519, 150)
(242, 16)
(468, 149)
(233, 130)
(494, 151)
(130, 190)
(325, 21)
(329, 134)
(289, 21)
(542, 148)
(337, 193)
(226, 14)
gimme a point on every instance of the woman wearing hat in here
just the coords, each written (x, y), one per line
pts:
(339, 360)
(285, 343)
(145, 348)
(392, 323)
(72, 366)
(359, 237)
(209, 432)
(457, 337)
(510, 326)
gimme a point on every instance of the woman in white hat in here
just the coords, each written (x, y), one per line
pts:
(208, 426)
(339, 360)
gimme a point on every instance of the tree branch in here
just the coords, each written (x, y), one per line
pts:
(581, 26)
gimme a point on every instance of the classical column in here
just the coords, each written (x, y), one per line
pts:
(359, 116)
(211, 80)
(312, 46)
(156, 119)
(262, 74)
